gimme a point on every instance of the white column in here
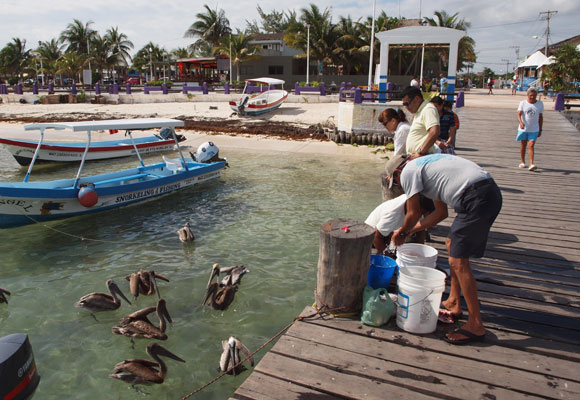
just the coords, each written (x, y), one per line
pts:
(383, 70)
(452, 69)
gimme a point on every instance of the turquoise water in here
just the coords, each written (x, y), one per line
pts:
(265, 213)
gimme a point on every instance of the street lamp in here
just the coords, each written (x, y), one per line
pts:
(372, 46)
(308, 55)
(230, 54)
(151, 62)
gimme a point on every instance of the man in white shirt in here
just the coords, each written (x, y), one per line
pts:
(415, 82)
(531, 120)
(425, 127)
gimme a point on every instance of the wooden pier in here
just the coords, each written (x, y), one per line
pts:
(529, 287)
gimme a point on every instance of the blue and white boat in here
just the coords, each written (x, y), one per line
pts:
(27, 202)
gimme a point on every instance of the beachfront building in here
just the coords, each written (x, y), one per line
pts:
(203, 69)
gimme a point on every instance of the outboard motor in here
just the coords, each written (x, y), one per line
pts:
(167, 134)
(207, 153)
(242, 103)
(18, 375)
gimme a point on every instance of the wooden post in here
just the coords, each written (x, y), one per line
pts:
(343, 264)
(391, 193)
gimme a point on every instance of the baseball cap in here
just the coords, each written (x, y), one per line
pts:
(392, 165)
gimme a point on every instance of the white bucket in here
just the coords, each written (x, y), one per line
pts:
(418, 298)
(416, 254)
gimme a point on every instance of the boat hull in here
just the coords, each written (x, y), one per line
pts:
(27, 203)
(23, 150)
(262, 103)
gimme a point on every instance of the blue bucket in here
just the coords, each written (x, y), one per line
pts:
(381, 271)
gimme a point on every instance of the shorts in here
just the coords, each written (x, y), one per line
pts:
(478, 208)
(526, 135)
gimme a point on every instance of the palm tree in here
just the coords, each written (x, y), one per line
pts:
(50, 52)
(77, 36)
(348, 45)
(14, 57)
(71, 64)
(119, 45)
(149, 57)
(323, 34)
(382, 23)
(241, 49)
(180, 52)
(466, 52)
(209, 27)
(101, 54)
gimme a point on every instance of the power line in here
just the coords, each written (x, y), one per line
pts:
(509, 23)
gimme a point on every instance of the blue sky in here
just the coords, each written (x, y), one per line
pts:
(497, 25)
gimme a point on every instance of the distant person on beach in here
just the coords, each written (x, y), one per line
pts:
(489, 85)
(446, 126)
(471, 191)
(531, 120)
(425, 127)
(415, 82)
(443, 83)
(396, 121)
(389, 216)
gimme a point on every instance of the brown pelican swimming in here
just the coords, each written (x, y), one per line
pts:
(233, 274)
(138, 370)
(185, 234)
(3, 294)
(144, 282)
(231, 355)
(138, 325)
(219, 298)
(102, 301)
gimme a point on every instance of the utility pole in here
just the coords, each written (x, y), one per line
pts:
(507, 67)
(308, 54)
(548, 15)
(517, 49)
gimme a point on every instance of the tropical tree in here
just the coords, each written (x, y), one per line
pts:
(119, 46)
(77, 36)
(323, 35)
(347, 50)
(210, 27)
(466, 52)
(101, 54)
(71, 64)
(272, 22)
(180, 52)
(150, 57)
(49, 52)
(14, 57)
(241, 49)
(566, 69)
(382, 23)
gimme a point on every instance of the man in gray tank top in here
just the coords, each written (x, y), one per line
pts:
(451, 181)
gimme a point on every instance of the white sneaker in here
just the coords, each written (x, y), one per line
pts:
(532, 167)
(522, 165)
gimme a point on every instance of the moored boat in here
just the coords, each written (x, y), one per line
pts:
(254, 101)
(23, 150)
(28, 202)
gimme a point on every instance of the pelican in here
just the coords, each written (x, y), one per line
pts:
(185, 234)
(138, 325)
(233, 274)
(139, 370)
(231, 355)
(3, 294)
(144, 282)
(101, 301)
(219, 298)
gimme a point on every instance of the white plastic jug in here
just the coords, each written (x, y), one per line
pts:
(418, 299)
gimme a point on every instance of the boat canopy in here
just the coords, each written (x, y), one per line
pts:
(124, 124)
(267, 81)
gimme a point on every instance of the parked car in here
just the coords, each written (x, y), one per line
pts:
(133, 81)
(109, 81)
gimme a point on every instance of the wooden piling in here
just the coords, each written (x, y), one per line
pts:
(343, 264)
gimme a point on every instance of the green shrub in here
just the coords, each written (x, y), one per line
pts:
(159, 83)
(82, 97)
(311, 84)
(12, 81)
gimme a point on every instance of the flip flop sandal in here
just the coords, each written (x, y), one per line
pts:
(469, 337)
(447, 317)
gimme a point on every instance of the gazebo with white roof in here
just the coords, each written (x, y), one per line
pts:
(420, 35)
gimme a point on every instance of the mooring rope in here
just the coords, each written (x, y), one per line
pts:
(299, 318)
(82, 238)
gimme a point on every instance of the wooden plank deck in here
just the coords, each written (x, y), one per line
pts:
(528, 283)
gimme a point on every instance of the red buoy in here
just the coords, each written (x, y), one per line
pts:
(88, 196)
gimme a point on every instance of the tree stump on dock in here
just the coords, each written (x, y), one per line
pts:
(343, 265)
(391, 193)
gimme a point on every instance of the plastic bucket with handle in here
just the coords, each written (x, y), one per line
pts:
(418, 299)
(381, 271)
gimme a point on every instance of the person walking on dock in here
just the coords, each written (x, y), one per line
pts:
(459, 183)
(531, 120)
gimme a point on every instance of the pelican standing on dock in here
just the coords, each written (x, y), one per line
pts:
(3, 294)
(138, 370)
(138, 325)
(185, 234)
(101, 301)
(231, 355)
